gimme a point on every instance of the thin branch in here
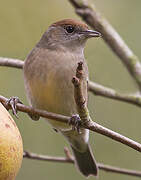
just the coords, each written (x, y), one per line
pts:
(35, 156)
(11, 62)
(95, 88)
(92, 17)
(91, 125)
(30, 110)
(119, 170)
(107, 168)
(101, 90)
(81, 102)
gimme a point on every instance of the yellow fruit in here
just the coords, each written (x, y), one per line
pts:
(11, 146)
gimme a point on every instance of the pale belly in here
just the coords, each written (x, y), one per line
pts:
(55, 95)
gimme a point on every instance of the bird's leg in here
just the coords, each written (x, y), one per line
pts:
(75, 121)
(12, 102)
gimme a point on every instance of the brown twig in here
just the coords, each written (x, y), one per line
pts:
(91, 125)
(84, 113)
(9, 62)
(70, 159)
(98, 89)
(28, 109)
(95, 88)
(92, 17)
(78, 93)
(35, 156)
(119, 170)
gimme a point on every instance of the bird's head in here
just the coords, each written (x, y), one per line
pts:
(67, 33)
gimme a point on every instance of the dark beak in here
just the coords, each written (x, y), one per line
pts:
(90, 33)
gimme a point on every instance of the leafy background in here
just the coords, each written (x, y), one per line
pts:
(21, 26)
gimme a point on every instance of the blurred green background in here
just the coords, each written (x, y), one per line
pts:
(21, 26)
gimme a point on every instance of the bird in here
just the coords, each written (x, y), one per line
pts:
(48, 71)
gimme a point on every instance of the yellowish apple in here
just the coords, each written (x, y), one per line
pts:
(11, 146)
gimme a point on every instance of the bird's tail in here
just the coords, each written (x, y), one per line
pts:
(85, 162)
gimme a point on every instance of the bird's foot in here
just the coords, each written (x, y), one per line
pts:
(75, 121)
(12, 102)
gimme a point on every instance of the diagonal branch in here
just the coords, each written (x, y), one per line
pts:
(95, 88)
(107, 168)
(92, 17)
(119, 170)
(84, 112)
(91, 125)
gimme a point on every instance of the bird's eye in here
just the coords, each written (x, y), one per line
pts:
(69, 29)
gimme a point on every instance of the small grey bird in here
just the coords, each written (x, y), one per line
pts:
(48, 72)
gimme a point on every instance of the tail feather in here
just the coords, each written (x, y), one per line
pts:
(85, 162)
